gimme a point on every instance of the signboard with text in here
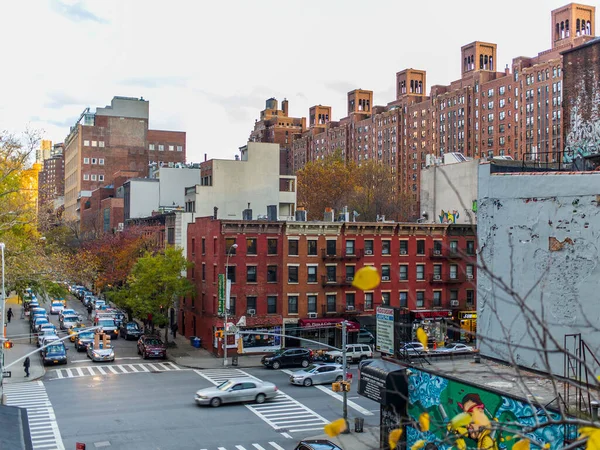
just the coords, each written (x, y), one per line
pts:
(385, 330)
(221, 296)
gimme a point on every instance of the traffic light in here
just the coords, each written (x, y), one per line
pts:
(219, 334)
(7, 344)
(336, 387)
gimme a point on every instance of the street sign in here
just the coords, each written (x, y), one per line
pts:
(6, 374)
(385, 330)
(221, 296)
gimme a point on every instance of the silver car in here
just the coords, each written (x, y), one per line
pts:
(455, 348)
(101, 354)
(318, 374)
(237, 390)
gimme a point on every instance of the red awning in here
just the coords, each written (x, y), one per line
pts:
(327, 322)
(432, 314)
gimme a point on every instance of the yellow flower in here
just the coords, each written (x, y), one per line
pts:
(422, 337)
(417, 445)
(424, 421)
(460, 444)
(460, 420)
(546, 445)
(335, 428)
(394, 437)
(366, 278)
(523, 444)
(593, 437)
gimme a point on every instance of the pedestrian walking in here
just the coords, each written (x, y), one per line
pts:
(9, 314)
(174, 329)
(89, 310)
(26, 365)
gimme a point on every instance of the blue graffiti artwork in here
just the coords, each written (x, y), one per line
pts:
(449, 216)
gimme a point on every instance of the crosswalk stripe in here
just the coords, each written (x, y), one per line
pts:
(153, 367)
(79, 371)
(276, 446)
(259, 447)
(101, 370)
(131, 367)
(113, 369)
(239, 447)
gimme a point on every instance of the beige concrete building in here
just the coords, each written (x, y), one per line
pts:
(250, 182)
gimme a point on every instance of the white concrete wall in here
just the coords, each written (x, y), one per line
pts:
(540, 234)
(144, 197)
(448, 191)
(237, 183)
(173, 183)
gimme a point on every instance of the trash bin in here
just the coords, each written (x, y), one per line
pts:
(359, 423)
(234, 360)
(197, 342)
(192, 338)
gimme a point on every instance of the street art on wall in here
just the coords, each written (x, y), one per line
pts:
(449, 216)
(482, 419)
(583, 138)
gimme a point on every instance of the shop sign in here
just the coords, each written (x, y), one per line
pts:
(385, 330)
(221, 291)
(433, 314)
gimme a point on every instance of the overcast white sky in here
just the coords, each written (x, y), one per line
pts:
(207, 67)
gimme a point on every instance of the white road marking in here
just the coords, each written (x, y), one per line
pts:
(116, 369)
(277, 446)
(286, 435)
(351, 404)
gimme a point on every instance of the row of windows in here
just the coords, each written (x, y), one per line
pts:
(94, 161)
(92, 177)
(161, 147)
(93, 143)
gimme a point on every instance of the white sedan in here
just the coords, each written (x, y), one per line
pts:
(455, 348)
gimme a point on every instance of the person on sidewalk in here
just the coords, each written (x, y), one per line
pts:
(9, 315)
(174, 329)
(26, 365)
(89, 310)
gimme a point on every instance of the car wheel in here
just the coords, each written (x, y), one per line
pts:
(304, 363)
(307, 382)
(260, 398)
(276, 365)
(215, 402)
(339, 378)
(363, 357)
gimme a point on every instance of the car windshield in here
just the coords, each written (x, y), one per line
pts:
(225, 385)
(132, 326)
(86, 335)
(70, 319)
(106, 323)
(57, 304)
(58, 348)
(153, 342)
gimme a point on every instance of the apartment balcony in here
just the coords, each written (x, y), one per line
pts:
(336, 281)
(344, 256)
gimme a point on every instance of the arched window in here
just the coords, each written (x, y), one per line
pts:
(491, 63)
(412, 86)
(480, 62)
(557, 36)
(567, 31)
(588, 28)
(578, 25)
(465, 65)
(547, 74)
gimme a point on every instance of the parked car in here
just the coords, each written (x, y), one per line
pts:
(411, 348)
(130, 330)
(151, 347)
(56, 307)
(83, 340)
(54, 354)
(37, 322)
(365, 337)
(455, 348)
(316, 444)
(236, 390)
(299, 356)
(46, 334)
(354, 352)
(69, 312)
(68, 321)
(318, 374)
(100, 354)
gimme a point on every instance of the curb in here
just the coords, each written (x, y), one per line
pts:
(188, 366)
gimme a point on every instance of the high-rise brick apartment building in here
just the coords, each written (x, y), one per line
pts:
(113, 139)
(512, 112)
(277, 127)
(51, 179)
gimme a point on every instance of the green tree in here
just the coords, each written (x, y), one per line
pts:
(155, 283)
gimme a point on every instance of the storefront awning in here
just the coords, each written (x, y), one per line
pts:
(432, 314)
(327, 322)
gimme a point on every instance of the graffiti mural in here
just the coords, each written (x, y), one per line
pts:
(449, 216)
(466, 417)
(583, 138)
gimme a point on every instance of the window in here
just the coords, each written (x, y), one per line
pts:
(385, 299)
(331, 274)
(453, 296)
(151, 147)
(100, 177)
(93, 177)
(101, 161)
(420, 299)
(469, 271)
(368, 300)
(203, 272)
(251, 274)
(86, 177)
(292, 274)
(86, 143)
(271, 246)
(404, 247)
(349, 247)
(86, 160)
(180, 148)
(203, 246)
(251, 246)
(271, 274)
(470, 298)
(271, 304)
(420, 271)
(470, 247)
(292, 304)
(101, 144)
(312, 274)
(349, 301)
(453, 271)
(420, 247)
(293, 247)
(331, 244)
(231, 309)
(403, 271)
(385, 247)
(437, 271)
(94, 161)
(437, 247)
(437, 299)
(161, 148)
(231, 273)
(385, 272)
(350, 273)
(311, 249)
(312, 303)
(368, 246)
(453, 246)
(94, 143)
(250, 304)
(171, 148)
(403, 299)
(331, 307)
(229, 246)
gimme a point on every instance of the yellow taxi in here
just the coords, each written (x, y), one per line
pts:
(74, 329)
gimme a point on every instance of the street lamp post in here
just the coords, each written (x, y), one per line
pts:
(345, 374)
(227, 297)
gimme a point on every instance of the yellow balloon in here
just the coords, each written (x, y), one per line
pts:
(335, 428)
(366, 278)
(422, 337)
(394, 437)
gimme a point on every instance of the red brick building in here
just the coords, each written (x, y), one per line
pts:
(297, 276)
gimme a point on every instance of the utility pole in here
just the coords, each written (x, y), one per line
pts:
(344, 362)
(3, 317)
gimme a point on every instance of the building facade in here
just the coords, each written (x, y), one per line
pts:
(297, 276)
(515, 111)
(112, 139)
(51, 182)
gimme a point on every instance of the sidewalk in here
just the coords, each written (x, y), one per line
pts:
(18, 332)
(368, 440)
(186, 355)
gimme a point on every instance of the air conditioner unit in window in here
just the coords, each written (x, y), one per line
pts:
(312, 315)
(120, 226)
(368, 252)
(385, 278)
(349, 278)
(349, 308)
(403, 252)
(437, 277)
(437, 252)
(454, 303)
(252, 312)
